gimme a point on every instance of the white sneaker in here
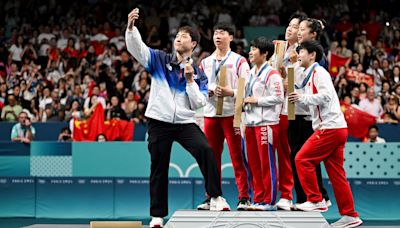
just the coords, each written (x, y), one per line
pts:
(261, 207)
(243, 204)
(347, 222)
(294, 206)
(156, 222)
(219, 204)
(284, 204)
(205, 205)
(309, 206)
(328, 203)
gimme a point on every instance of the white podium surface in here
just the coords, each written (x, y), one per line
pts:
(245, 219)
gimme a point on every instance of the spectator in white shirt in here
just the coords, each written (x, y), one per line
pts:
(118, 39)
(373, 135)
(17, 50)
(371, 105)
(45, 35)
(62, 42)
(53, 74)
(378, 74)
(101, 100)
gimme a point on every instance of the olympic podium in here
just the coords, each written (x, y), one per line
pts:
(245, 219)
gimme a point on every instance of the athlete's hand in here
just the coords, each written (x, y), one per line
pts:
(189, 71)
(293, 56)
(224, 91)
(132, 16)
(293, 97)
(250, 100)
(282, 71)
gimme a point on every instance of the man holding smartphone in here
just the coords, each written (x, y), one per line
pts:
(23, 131)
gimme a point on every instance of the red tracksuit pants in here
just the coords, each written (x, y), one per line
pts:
(328, 146)
(216, 130)
(260, 145)
(285, 180)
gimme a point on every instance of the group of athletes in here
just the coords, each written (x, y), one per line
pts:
(318, 133)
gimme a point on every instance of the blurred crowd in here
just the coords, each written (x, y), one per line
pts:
(59, 59)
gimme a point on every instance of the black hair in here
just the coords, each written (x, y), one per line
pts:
(373, 127)
(301, 16)
(126, 65)
(194, 34)
(264, 45)
(313, 46)
(226, 27)
(101, 134)
(90, 100)
(316, 26)
(65, 129)
(365, 84)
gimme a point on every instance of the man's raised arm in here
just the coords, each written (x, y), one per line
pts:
(134, 41)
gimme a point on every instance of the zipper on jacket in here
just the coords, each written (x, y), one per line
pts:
(177, 83)
(173, 120)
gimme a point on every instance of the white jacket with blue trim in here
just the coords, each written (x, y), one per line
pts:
(172, 100)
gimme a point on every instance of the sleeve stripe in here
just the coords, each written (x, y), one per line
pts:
(202, 65)
(242, 60)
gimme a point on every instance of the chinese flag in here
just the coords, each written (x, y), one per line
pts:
(114, 130)
(80, 130)
(111, 130)
(127, 129)
(335, 63)
(87, 130)
(119, 130)
(358, 121)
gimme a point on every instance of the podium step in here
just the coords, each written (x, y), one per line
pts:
(245, 219)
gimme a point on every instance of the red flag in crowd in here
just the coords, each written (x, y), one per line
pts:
(119, 130)
(335, 63)
(115, 130)
(87, 130)
(358, 121)
(359, 77)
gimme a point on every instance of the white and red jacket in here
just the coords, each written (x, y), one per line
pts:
(267, 87)
(237, 66)
(320, 95)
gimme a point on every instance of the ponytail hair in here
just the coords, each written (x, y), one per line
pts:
(323, 24)
(316, 26)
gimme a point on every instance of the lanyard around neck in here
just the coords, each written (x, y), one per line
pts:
(215, 69)
(307, 78)
(252, 81)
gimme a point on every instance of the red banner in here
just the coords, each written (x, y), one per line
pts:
(335, 63)
(87, 130)
(119, 130)
(114, 130)
(359, 77)
(358, 122)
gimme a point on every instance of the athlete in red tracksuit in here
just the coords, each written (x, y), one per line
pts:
(263, 103)
(328, 141)
(219, 128)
